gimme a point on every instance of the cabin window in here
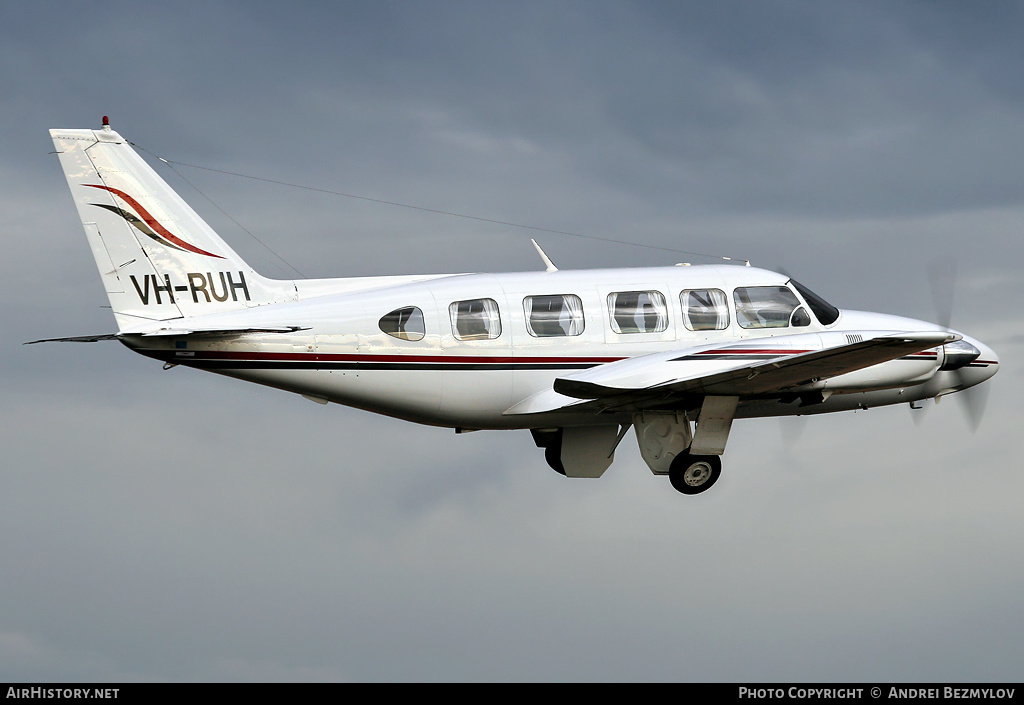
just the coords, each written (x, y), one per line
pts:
(769, 307)
(705, 309)
(826, 313)
(404, 323)
(553, 315)
(476, 319)
(638, 311)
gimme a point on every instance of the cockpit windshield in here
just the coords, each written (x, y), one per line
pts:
(826, 313)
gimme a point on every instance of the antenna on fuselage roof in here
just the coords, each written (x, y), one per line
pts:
(549, 266)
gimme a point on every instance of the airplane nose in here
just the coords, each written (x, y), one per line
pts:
(967, 363)
(973, 361)
(987, 359)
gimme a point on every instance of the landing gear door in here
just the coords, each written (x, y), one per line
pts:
(587, 451)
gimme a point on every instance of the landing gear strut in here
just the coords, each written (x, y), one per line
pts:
(693, 474)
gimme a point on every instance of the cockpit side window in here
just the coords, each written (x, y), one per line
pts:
(800, 318)
(768, 307)
(404, 323)
(826, 313)
(638, 311)
(553, 315)
(476, 319)
(704, 309)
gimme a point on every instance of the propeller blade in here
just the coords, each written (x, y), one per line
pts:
(974, 400)
(942, 278)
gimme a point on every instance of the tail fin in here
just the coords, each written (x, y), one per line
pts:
(158, 259)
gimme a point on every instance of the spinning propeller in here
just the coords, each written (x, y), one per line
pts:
(957, 355)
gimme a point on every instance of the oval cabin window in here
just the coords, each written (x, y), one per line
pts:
(404, 323)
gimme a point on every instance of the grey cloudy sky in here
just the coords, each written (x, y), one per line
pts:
(180, 526)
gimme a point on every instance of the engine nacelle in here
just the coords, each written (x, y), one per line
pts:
(958, 354)
(916, 368)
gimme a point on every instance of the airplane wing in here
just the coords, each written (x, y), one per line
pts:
(762, 367)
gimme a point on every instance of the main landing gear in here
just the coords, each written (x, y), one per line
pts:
(691, 457)
(693, 474)
(580, 451)
(666, 451)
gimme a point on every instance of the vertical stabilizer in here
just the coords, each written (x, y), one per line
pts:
(157, 258)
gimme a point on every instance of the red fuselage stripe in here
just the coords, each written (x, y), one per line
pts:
(357, 357)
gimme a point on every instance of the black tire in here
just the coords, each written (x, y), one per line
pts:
(693, 474)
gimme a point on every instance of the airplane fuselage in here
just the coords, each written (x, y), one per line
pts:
(341, 353)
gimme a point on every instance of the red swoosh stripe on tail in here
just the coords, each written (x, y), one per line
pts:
(153, 222)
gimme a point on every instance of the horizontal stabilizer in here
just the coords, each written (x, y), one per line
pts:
(76, 339)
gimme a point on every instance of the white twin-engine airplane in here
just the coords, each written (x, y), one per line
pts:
(576, 357)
